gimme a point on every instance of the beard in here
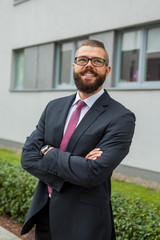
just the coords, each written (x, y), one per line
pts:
(87, 87)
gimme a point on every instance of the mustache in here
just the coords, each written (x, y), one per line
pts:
(90, 70)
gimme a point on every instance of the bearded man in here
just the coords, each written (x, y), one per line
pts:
(78, 142)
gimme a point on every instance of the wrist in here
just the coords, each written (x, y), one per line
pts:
(45, 149)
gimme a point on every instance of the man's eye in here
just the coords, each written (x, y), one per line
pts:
(98, 61)
(82, 60)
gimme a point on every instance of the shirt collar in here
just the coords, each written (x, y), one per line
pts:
(90, 100)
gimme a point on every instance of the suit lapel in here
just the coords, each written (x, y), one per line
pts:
(94, 112)
(61, 115)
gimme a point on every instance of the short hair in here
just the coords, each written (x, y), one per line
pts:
(94, 43)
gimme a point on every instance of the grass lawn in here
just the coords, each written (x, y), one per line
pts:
(136, 190)
(132, 189)
(11, 156)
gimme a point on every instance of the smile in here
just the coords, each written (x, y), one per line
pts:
(89, 74)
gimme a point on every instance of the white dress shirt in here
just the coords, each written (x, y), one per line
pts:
(89, 102)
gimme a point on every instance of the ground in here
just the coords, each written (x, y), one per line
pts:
(15, 228)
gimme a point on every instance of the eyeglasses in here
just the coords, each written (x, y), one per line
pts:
(97, 62)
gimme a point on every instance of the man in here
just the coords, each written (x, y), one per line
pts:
(74, 165)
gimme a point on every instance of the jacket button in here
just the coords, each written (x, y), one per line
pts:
(54, 172)
(53, 185)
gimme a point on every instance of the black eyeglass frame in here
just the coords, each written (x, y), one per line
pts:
(90, 59)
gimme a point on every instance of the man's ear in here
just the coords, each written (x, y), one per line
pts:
(73, 64)
(108, 70)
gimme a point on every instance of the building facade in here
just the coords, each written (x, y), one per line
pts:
(38, 40)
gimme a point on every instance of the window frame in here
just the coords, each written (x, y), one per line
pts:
(16, 56)
(141, 83)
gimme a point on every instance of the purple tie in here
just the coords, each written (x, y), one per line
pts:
(70, 129)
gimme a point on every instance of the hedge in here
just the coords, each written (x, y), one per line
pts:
(16, 190)
(134, 219)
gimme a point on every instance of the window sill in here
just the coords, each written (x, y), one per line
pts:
(138, 86)
(43, 90)
(134, 89)
(74, 89)
(17, 2)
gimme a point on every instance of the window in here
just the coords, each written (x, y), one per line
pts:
(19, 69)
(130, 56)
(138, 61)
(65, 54)
(33, 67)
(44, 67)
(66, 50)
(153, 55)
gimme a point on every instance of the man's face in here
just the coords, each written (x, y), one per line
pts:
(88, 78)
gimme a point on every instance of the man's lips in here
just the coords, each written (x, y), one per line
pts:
(89, 73)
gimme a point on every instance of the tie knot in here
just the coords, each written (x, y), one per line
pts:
(80, 105)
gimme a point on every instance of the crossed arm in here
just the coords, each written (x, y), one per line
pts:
(56, 165)
(92, 155)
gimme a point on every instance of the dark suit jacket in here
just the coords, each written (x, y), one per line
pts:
(80, 206)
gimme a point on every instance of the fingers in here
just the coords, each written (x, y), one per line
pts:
(94, 154)
(94, 151)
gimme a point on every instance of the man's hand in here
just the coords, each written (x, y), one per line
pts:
(94, 154)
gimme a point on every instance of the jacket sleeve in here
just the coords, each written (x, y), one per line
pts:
(31, 160)
(78, 170)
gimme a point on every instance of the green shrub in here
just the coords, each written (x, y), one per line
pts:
(135, 219)
(16, 190)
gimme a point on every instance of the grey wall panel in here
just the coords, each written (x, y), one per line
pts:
(45, 66)
(30, 67)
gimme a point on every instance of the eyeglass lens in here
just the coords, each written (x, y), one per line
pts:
(95, 61)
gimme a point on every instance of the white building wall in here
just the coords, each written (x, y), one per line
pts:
(145, 150)
(39, 21)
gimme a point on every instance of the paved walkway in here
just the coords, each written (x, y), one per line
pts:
(6, 235)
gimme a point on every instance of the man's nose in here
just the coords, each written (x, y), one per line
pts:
(89, 64)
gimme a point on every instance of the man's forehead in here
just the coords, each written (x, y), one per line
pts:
(91, 51)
